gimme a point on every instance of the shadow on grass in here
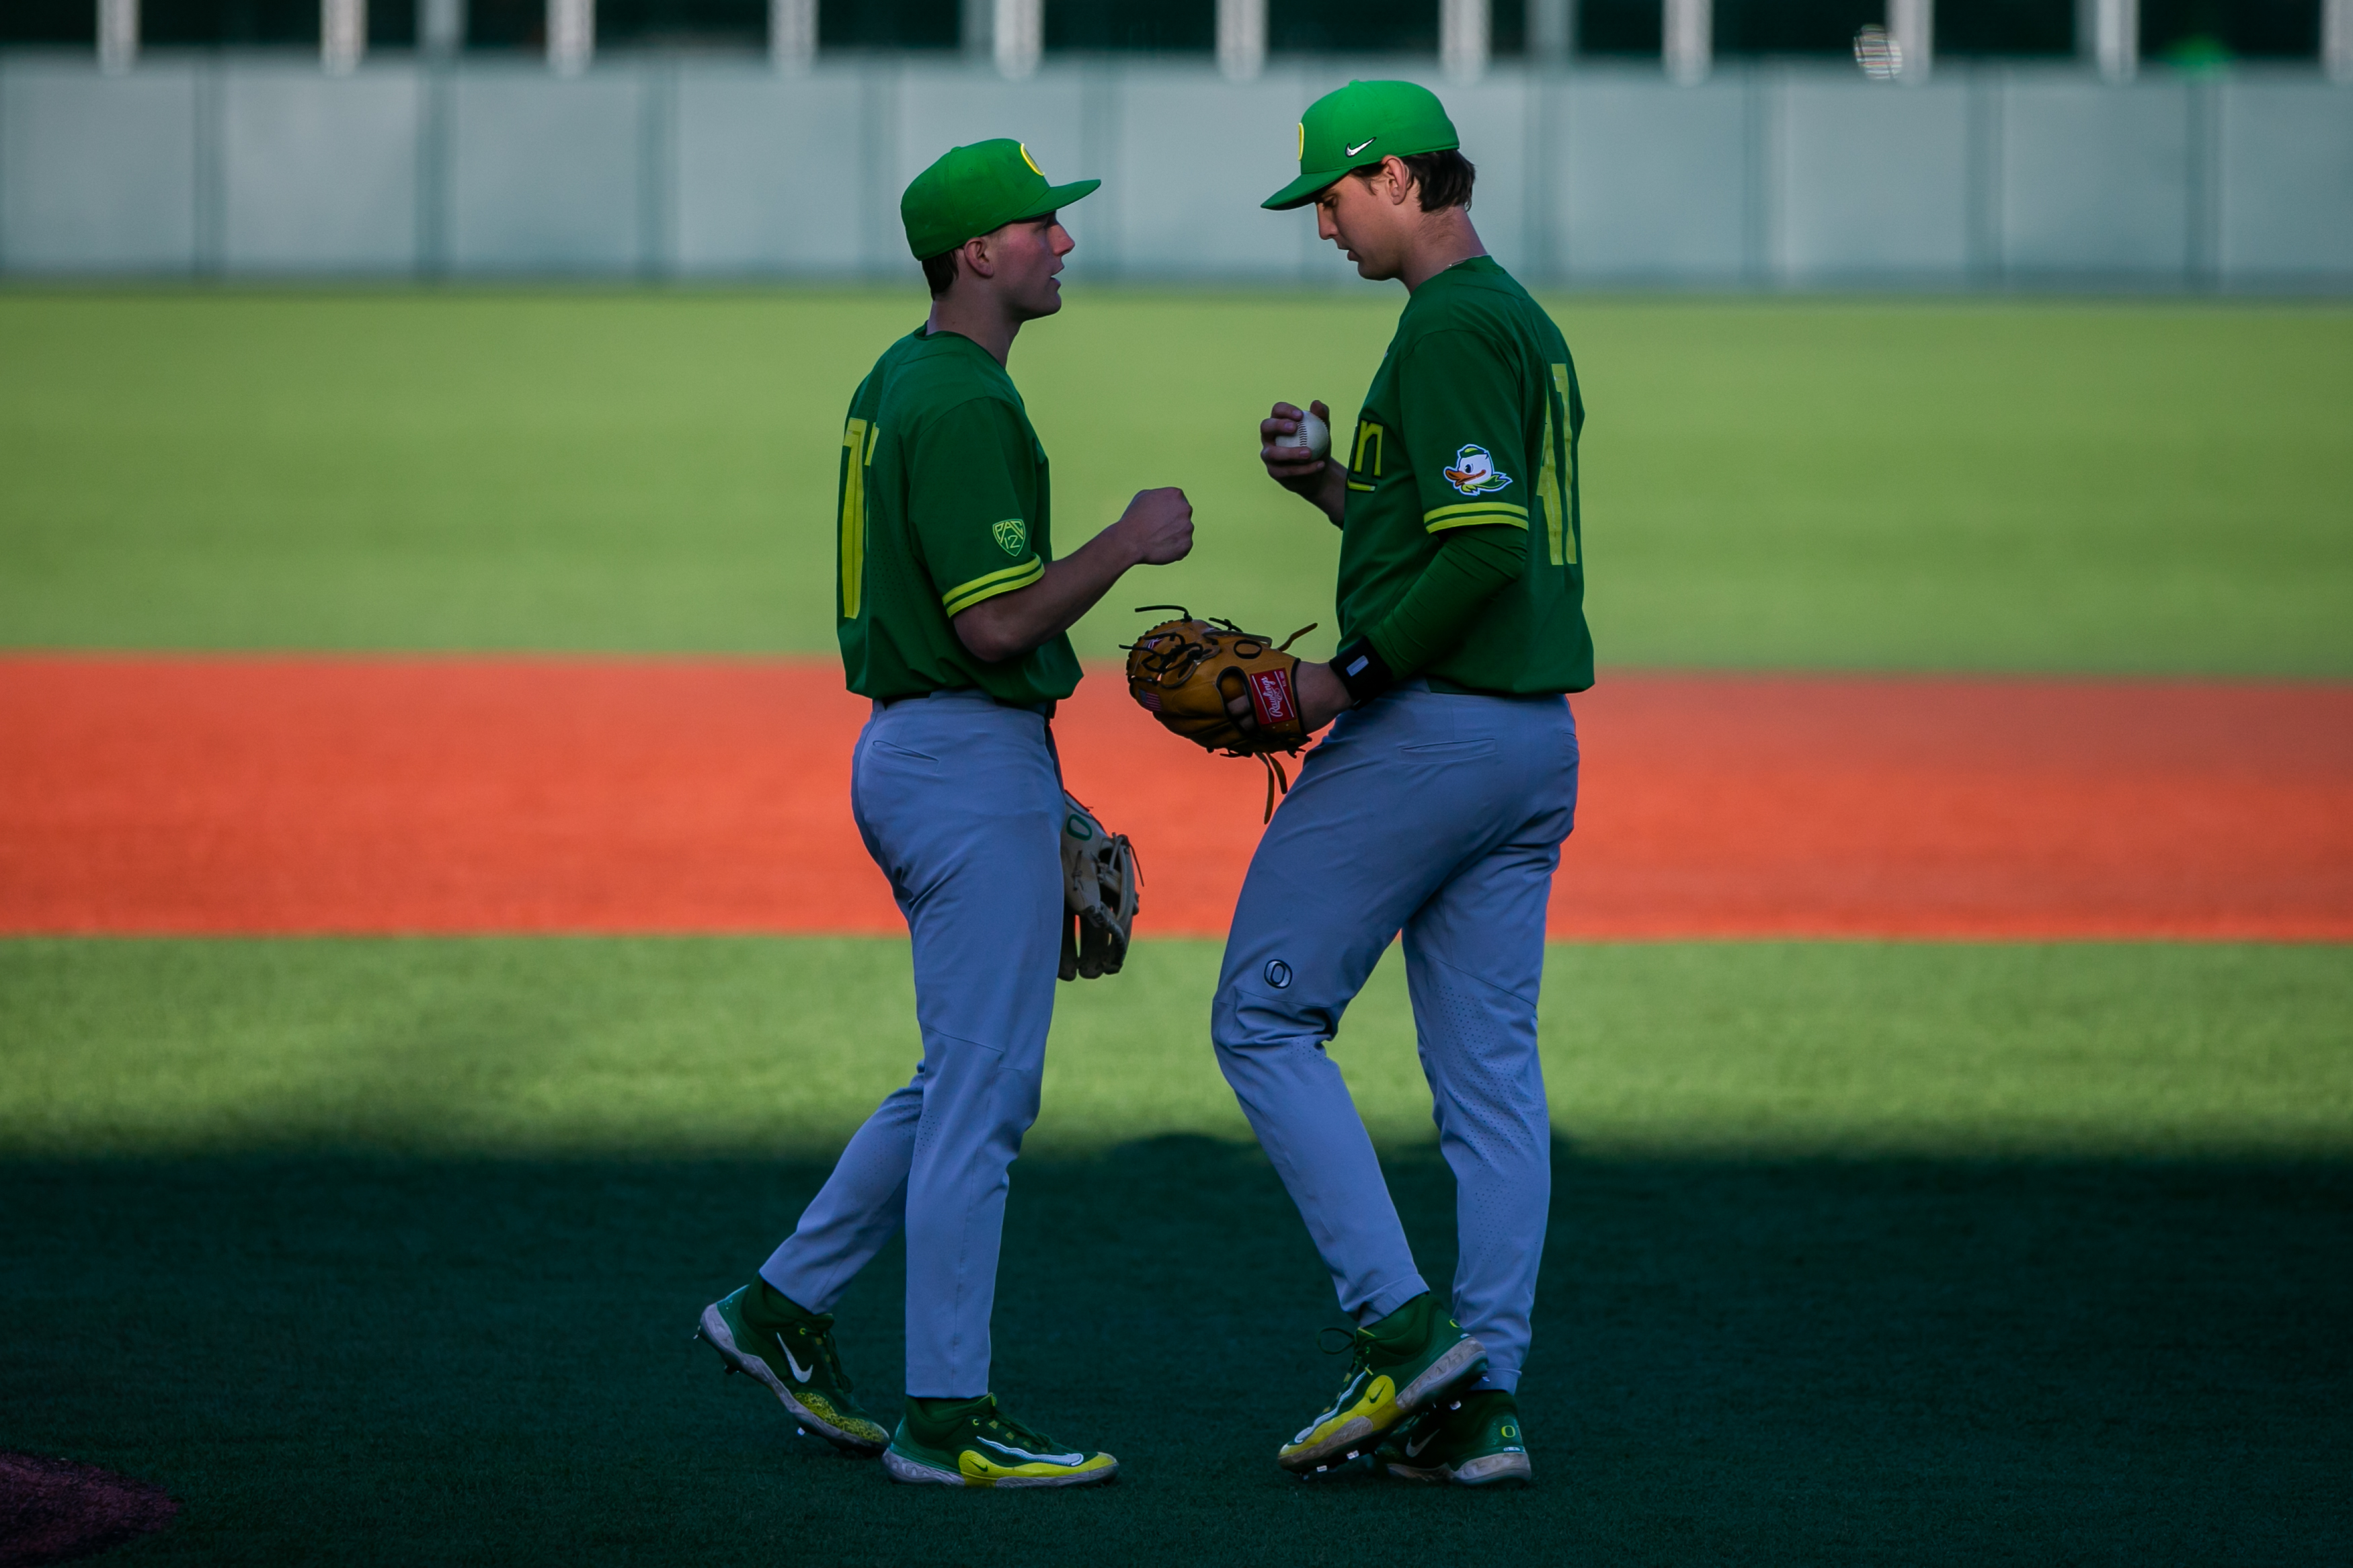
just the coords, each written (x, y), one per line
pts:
(355, 1359)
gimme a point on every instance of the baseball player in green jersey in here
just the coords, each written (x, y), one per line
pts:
(952, 609)
(1436, 805)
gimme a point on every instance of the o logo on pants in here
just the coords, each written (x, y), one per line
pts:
(1278, 975)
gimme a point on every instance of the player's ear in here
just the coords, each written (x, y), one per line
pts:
(1401, 179)
(979, 256)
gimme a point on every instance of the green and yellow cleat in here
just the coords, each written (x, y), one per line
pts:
(1397, 1366)
(1473, 1440)
(765, 1335)
(972, 1442)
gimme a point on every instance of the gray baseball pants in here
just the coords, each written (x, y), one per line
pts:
(1440, 815)
(961, 805)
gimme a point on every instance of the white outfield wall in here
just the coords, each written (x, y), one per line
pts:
(1770, 176)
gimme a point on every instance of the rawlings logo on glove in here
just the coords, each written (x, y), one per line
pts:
(1271, 703)
(1192, 674)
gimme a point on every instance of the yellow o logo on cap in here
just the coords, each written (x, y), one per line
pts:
(1303, 141)
(1029, 160)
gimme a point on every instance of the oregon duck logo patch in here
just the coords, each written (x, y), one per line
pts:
(1474, 472)
(1012, 533)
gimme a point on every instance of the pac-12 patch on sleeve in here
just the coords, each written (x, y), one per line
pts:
(1474, 472)
(1011, 533)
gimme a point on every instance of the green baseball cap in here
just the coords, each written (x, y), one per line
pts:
(974, 190)
(1363, 123)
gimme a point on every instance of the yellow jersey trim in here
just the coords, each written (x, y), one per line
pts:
(1504, 508)
(1478, 517)
(965, 595)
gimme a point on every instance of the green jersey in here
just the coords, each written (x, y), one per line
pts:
(944, 503)
(1473, 420)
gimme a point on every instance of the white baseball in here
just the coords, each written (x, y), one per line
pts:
(1312, 434)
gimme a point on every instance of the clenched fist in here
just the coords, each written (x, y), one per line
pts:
(1157, 526)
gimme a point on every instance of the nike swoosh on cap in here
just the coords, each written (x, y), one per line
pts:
(1041, 1458)
(1362, 145)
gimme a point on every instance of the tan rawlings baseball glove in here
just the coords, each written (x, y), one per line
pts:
(1100, 878)
(1187, 672)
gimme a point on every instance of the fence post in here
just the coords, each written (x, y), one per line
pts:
(1912, 24)
(1242, 38)
(118, 35)
(1687, 40)
(571, 35)
(1020, 36)
(342, 35)
(2114, 35)
(1462, 39)
(792, 34)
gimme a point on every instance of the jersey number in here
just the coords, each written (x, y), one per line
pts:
(857, 453)
(1556, 480)
(1366, 460)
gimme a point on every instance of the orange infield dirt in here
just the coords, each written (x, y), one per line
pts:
(414, 795)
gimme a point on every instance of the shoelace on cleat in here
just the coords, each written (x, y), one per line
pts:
(820, 1330)
(1022, 1435)
(1351, 1339)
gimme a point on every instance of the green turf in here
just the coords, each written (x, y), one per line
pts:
(1887, 485)
(697, 1046)
(385, 1251)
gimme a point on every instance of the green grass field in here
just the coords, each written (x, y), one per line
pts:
(529, 1048)
(1974, 486)
(385, 1251)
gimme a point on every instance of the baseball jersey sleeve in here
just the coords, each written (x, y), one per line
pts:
(971, 495)
(1465, 433)
(1470, 568)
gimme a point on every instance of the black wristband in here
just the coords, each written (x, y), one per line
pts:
(1363, 671)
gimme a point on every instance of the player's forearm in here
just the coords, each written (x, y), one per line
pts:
(1471, 567)
(1017, 622)
(1010, 624)
(1155, 529)
(1331, 497)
